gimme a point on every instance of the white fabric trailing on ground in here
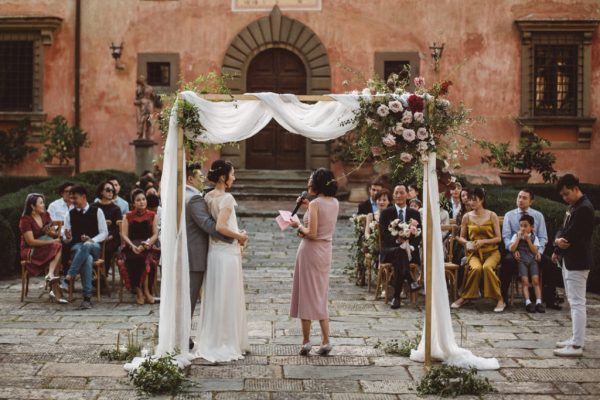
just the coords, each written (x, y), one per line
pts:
(443, 343)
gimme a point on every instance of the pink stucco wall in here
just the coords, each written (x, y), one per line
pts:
(481, 56)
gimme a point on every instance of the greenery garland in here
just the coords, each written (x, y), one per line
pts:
(452, 381)
(189, 120)
(159, 376)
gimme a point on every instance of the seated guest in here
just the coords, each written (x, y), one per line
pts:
(123, 205)
(527, 245)
(415, 204)
(480, 233)
(153, 204)
(85, 230)
(383, 199)
(510, 227)
(456, 205)
(60, 207)
(58, 210)
(370, 205)
(139, 233)
(105, 193)
(40, 243)
(413, 192)
(390, 247)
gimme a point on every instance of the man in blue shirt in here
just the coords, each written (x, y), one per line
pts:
(510, 226)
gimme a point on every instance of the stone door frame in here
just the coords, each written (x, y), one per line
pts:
(278, 31)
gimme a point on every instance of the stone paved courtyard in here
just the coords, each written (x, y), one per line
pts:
(50, 351)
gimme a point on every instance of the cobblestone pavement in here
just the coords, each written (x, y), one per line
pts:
(51, 351)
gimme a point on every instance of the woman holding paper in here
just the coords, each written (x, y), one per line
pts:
(313, 260)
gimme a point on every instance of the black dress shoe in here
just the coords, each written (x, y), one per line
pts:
(395, 304)
(539, 307)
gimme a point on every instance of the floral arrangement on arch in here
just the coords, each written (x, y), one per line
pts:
(401, 127)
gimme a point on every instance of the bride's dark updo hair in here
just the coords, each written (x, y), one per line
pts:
(219, 168)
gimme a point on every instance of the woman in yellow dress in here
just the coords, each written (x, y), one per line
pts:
(480, 234)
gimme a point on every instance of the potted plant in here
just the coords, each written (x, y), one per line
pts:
(516, 166)
(61, 142)
(13, 145)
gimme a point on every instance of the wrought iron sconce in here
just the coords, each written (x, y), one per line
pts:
(115, 51)
(436, 54)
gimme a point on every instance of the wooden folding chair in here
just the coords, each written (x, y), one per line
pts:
(450, 268)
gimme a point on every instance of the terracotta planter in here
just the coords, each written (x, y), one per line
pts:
(514, 178)
(59, 170)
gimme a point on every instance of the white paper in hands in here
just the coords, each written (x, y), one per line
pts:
(284, 219)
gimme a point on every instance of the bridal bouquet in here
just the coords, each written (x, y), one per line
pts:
(404, 230)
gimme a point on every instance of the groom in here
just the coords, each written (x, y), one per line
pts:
(199, 225)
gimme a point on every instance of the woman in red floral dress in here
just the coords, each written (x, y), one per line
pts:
(40, 242)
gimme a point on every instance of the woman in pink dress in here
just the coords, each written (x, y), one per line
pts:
(313, 260)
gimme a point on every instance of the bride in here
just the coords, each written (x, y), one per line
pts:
(223, 331)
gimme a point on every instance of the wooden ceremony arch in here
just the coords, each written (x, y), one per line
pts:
(315, 98)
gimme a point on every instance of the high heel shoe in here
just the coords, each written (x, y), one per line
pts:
(149, 298)
(306, 347)
(50, 277)
(325, 349)
(139, 296)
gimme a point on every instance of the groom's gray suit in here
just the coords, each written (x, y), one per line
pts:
(199, 225)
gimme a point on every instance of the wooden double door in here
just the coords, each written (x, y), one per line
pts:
(278, 71)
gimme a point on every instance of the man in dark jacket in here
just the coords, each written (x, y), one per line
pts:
(573, 252)
(370, 205)
(390, 248)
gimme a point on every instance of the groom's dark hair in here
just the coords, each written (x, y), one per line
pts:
(191, 167)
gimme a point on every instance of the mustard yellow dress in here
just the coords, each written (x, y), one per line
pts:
(482, 261)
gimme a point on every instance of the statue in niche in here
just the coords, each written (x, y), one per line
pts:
(145, 101)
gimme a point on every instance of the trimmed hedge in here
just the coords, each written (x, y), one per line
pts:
(8, 249)
(11, 205)
(549, 192)
(10, 184)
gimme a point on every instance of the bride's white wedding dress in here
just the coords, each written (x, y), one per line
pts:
(223, 331)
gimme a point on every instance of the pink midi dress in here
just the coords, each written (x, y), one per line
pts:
(313, 264)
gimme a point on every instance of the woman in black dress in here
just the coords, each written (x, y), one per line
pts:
(105, 194)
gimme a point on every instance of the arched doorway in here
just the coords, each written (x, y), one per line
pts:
(280, 71)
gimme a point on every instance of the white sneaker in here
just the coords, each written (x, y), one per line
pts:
(565, 343)
(64, 285)
(569, 351)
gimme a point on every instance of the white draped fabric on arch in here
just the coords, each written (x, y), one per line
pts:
(233, 121)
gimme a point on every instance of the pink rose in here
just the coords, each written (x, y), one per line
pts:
(389, 140)
(383, 110)
(419, 117)
(419, 81)
(398, 129)
(395, 106)
(409, 135)
(422, 134)
(407, 117)
(406, 157)
(376, 151)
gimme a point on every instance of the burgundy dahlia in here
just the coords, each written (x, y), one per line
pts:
(444, 87)
(415, 103)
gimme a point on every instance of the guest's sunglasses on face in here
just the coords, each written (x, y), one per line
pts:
(109, 190)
